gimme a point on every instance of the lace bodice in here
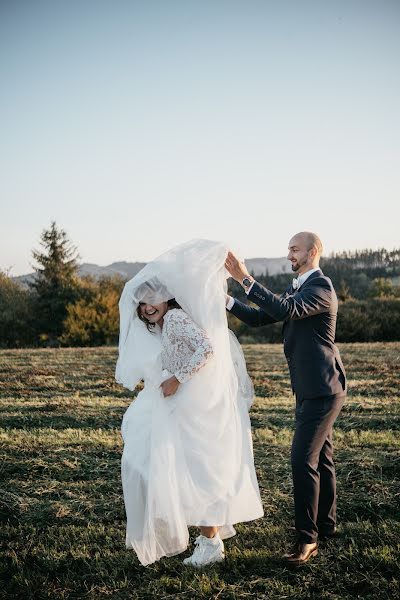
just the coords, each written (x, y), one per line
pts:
(186, 347)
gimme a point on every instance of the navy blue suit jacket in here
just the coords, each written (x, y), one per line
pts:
(309, 326)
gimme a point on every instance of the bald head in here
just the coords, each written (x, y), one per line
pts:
(305, 249)
(310, 240)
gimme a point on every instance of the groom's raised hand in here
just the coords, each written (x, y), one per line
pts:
(236, 268)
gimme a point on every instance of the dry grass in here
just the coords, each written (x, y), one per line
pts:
(62, 514)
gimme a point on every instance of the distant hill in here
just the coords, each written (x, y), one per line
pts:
(126, 269)
(257, 266)
(274, 266)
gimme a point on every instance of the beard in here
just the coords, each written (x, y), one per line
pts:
(297, 265)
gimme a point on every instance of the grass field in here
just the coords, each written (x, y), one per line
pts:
(62, 514)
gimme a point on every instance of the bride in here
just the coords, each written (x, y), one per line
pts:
(188, 458)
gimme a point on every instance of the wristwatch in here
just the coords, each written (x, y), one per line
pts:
(246, 282)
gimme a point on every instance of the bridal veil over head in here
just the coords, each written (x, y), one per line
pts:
(188, 458)
(194, 274)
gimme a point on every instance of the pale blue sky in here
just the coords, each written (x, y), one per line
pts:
(139, 125)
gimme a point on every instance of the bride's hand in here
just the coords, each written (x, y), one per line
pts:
(169, 386)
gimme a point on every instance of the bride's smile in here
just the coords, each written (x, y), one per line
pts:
(153, 313)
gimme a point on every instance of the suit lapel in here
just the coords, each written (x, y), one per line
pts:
(290, 291)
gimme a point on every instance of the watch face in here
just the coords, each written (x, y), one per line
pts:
(246, 282)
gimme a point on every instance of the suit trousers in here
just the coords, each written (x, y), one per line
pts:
(313, 469)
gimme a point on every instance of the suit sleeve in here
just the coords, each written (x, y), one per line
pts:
(313, 299)
(254, 317)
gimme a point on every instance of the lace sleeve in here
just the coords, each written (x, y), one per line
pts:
(189, 341)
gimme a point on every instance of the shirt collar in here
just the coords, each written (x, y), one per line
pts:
(302, 278)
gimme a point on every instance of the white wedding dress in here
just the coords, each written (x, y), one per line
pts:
(188, 458)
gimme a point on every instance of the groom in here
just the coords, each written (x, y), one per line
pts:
(308, 309)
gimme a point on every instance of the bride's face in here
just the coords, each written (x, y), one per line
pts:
(153, 313)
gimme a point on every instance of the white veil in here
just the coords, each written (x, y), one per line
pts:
(194, 274)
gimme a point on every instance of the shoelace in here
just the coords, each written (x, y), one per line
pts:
(197, 542)
(198, 551)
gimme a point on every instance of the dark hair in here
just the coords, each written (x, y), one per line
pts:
(150, 326)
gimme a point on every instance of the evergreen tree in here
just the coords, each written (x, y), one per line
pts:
(56, 284)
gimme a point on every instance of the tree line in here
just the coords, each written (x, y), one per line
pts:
(59, 308)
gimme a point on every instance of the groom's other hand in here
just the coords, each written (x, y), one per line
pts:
(236, 268)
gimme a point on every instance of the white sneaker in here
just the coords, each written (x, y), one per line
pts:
(207, 551)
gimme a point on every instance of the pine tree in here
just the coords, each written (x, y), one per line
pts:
(56, 283)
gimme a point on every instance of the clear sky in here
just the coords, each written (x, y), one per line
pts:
(139, 125)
